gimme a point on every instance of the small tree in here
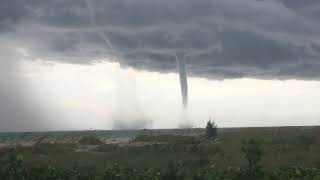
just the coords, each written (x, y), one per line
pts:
(211, 130)
(252, 150)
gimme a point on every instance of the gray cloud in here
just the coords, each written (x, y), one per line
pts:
(296, 4)
(16, 108)
(221, 38)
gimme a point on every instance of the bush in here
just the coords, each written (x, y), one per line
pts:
(90, 140)
(211, 130)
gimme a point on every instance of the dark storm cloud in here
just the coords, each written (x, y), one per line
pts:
(298, 4)
(220, 38)
(12, 10)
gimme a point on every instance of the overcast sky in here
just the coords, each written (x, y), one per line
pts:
(110, 64)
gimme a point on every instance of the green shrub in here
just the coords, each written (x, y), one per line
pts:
(90, 140)
(211, 130)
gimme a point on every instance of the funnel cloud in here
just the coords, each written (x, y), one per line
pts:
(183, 80)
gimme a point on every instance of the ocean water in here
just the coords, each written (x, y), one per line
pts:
(74, 136)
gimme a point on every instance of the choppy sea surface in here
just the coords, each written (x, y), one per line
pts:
(74, 136)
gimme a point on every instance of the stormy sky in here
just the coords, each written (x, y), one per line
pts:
(115, 61)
